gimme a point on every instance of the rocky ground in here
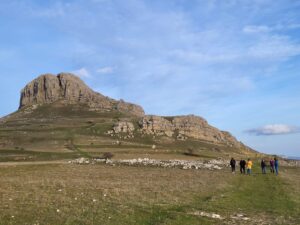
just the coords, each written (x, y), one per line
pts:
(182, 164)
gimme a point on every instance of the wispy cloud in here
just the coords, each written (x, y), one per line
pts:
(105, 70)
(274, 129)
(275, 47)
(172, 56)
(264, 28)
(82, 72)
(56, 10)
(256, 29)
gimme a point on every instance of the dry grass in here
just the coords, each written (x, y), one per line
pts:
(101, 194)
(96, 192)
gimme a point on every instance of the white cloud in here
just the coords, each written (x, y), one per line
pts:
(274, 129)
(105, 70)
(274, 47)
(265, 29)
(56, 10)
(200, 57)
(82, 72)
(256, 29)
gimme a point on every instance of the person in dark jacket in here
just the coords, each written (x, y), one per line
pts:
(232, 164)
(272, 166)
(263, 166)
(276, 165)
(242, 166)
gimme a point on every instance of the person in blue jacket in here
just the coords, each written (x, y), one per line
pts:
(276, 165)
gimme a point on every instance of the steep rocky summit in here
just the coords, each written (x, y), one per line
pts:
(69, 89)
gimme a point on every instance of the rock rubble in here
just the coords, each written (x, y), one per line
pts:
(182, 164)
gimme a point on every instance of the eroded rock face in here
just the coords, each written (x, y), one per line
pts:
(123, 127)
(182, 127)
(70, 89)
(156, 125)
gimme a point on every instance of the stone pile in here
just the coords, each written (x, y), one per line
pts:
(81, 160)
(233, 218)
(182, 164)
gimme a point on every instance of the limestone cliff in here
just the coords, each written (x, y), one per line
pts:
(177, 127)
(182, 127)
(70, 89)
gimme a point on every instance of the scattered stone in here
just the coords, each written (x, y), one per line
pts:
(206, 214)
(239, 216)
(183, 164)
(80, 161)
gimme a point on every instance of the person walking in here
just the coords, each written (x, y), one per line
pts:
(272, 166)
(242, 166)
(232, 164)
(263, 166)
(276, 165)
(249, 167)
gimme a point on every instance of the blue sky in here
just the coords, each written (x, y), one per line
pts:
(234, 62)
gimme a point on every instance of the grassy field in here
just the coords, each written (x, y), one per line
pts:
(38, 186)
(101, 194)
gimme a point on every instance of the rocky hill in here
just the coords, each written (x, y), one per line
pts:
(61, 113)
(69, 89)
(178, 127)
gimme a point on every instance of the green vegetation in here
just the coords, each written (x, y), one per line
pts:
(20, 155)
(38, 186)
(99, 194)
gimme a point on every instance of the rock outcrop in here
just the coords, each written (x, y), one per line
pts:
(68, 88)
(183, 127)
(123, 127)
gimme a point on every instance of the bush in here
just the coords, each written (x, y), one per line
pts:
(190, 152)
(107, 155)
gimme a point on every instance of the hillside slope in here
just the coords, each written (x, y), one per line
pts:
(61, 114)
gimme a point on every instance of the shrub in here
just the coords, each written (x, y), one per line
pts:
(107, 155)
(190, 152)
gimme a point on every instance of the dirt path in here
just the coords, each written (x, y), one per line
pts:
(33, 163)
